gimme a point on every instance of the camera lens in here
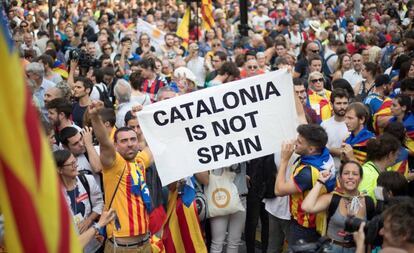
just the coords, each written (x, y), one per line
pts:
(352, 224)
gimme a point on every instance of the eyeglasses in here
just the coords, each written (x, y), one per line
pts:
(73, 164)
(23, 26)
(216, 45)
(317, 80)
(253, 67)
(108, 48)
(315, 51)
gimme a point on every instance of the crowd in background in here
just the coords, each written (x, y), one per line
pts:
(353, 73)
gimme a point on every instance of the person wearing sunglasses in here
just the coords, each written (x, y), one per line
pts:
(301, 67)
(250, 68)
(318, 96)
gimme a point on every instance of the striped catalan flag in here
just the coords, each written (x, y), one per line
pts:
(383, 111)
(36, 216)
(207, 14)
(359, 144)
(182, 231)
(320, 104)
(401, 164)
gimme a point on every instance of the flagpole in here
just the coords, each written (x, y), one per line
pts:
(196, 17)
(51, 30)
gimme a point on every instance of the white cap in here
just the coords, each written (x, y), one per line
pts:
(183, 71)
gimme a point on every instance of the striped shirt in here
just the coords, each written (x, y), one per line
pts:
(130, 208)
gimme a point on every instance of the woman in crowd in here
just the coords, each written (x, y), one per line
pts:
(343, 64)
(382, 152)
(368, 72)
(207, 44)
(340, 204)
(230, 226)
(82, 194)
(145, 46)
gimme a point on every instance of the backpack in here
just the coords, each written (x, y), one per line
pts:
(85, 185)
(325, 67)
(104, 97)
(386, 57)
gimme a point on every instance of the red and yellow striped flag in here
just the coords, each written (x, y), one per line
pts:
(182, 231)
(36, 216)
(207, 14)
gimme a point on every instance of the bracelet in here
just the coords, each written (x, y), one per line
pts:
(96, 227)
(320, 181)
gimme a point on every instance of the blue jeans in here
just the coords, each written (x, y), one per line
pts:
(339, 249)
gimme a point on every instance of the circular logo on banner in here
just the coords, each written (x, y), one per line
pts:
(221, 197)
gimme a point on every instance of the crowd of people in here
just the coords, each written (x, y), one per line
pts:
(353, 73)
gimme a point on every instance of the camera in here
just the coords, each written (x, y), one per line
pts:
(322, 245)
(371, 228)
(85, 60)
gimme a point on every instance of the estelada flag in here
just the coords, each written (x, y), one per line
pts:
(36, 216)
(207, 14)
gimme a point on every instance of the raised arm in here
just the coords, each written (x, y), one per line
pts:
(315, 203)
(285, 187)
(107, 149)
(94, 159)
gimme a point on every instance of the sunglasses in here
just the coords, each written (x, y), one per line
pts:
(216, 45)
(317, 80)
(252, 67)
(315, 51)
(23, 26)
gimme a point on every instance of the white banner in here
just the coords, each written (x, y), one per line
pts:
(155, 34)
(220, 126)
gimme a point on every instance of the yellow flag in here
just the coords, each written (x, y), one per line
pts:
(184, 27)
(36, 216)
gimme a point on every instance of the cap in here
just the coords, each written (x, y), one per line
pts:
(183, 71)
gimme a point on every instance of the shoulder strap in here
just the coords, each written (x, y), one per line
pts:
(369, 207)
(85, 184)
(330, 56)
(333, 206)
(116, 188)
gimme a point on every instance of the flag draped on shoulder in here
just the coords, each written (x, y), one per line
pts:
(207, 14)
(184, 27)
(36, 216)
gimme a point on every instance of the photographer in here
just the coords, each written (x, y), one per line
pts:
(398, 230)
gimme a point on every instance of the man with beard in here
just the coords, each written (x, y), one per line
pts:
(59, 112)
(379, 103)
(335, 126)
(82, 89)
(124, 182)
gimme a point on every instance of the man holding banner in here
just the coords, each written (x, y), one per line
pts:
(125, 188)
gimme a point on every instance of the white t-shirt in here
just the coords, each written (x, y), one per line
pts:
(196, 65)
(337, 133)
(279, 206)
(95, 93)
